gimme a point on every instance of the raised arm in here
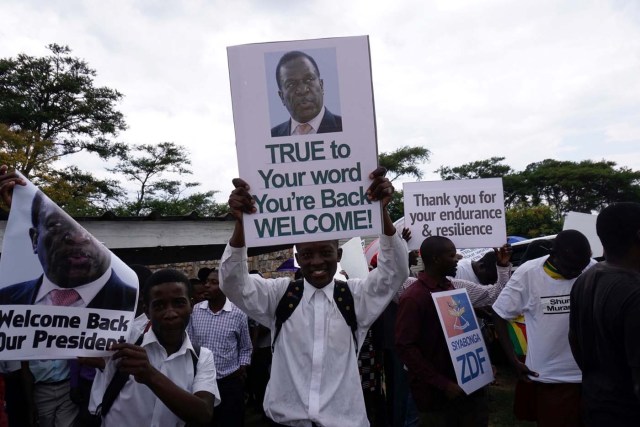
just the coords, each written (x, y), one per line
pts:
(381, 190)
(240, 202)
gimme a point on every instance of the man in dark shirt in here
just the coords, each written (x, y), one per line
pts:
(423, 349)
(605, 320)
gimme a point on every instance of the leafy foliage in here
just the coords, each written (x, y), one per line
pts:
(404, 162)
(147, 165)
(532, 221)
(489, 168)
(577, 186)
(55, 110)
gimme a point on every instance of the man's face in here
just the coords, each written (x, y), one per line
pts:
(486, 274)
(318, 261)
(212, 285)
(301, 89)
(447, 260)
(70, 256)
(200, 293)
(569, 264)
(169, 310)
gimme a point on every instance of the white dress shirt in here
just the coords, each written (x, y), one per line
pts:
(314, 373)
(137, 405)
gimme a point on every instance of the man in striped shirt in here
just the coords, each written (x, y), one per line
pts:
(220, 326)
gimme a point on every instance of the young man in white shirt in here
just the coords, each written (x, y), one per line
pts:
(314, 375)
(162, 388)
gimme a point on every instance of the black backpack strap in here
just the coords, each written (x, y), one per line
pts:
(195, 355)
(114, 388)
(287, 305)
(344, 300)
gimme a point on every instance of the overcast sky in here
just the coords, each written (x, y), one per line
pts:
(469, 80)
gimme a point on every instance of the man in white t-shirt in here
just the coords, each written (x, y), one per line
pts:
(540, 290)
(482, 271)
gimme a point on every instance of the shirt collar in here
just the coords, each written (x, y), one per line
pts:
(87, 292)
(552, 271)
(315, 122)
(432, 284)
(150, 339)
(204, 305)
(309, 290)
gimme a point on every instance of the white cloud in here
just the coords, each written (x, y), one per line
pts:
(468, 80)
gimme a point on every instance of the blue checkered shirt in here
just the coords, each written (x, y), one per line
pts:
(225, 333)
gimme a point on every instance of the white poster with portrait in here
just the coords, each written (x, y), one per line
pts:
(305, 138)
(63, 294)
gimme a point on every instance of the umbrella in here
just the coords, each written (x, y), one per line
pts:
(288, 265)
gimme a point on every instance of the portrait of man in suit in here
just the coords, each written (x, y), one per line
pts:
(301, 90)
(76, 267)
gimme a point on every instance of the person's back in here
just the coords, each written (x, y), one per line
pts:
(602, 300)
(605, 319)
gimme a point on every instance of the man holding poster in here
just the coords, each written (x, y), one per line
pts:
(314, 375)
(302, 92)
(423, 347)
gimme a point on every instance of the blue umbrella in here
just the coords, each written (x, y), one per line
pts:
(288, 265)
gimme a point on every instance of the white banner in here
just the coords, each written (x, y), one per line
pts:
(470, 212)
(466, 346)
(63, 294)
(305, 184)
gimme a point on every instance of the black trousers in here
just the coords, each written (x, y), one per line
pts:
(230, 411)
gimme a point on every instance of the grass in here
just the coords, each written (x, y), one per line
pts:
(500, 403)
(501, 400)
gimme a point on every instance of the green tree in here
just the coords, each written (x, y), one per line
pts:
(577, 186)
(489, 168)
(80, 193)
(404, 161)
(54, 101)
(532, 221)
(147, 165)
(493, 167)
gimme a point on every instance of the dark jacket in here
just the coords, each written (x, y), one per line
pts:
(330, 123)
(114, 295)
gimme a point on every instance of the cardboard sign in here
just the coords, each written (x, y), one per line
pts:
(305, 184)
(353, 261)
(586, 224)
(470, 212)
(63, 294)
(466, 345)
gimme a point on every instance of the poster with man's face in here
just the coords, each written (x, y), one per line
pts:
(62, 293)
(305, 138)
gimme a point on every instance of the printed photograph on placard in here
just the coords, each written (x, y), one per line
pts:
(62, 292)
(303, 92)
(306, 143)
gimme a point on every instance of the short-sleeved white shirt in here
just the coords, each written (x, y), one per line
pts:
(137, 405)
(544, 301)
(464, 271)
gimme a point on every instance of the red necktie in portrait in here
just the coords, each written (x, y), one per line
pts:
(64, 297)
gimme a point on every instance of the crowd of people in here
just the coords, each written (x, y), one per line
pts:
(312, 351)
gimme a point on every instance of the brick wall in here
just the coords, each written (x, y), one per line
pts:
(267, 264)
